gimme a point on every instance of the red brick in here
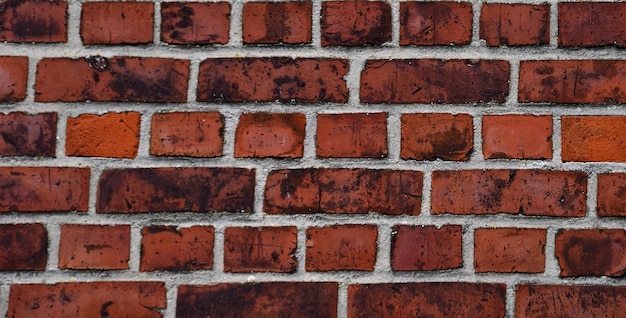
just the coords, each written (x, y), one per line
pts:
(116, 79)
(33, 21)
(434, 81)
(527, 192)
(113, 135)
(94, 246)
(593, 138)
(517, 136)
(515, 24)
(167, 248)
(355, 23)
(273, 79)
(271, 299)
(569, 301)
(23, 247)
(143, 190)
(111, 22)
(277, 22)
(435, 23)
(612, 194)
(343, 191)
(573, 81)
(426, 248)
(93, 299)
(44, 189)
(198, 134)
(260, 249)
(264, 135)
(437, 136)
(341, 247)
(509, 250)
(361, 135)
(594, 252)
(13, 77)
(603, 24)
(195, 22)
(23, 134)
(427, 300)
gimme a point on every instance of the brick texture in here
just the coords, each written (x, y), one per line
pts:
(166, 248)
(94, 246)
(260, 249)
(509, 250)
(569, 301)
(197, 23)
(435, 23)
(594, 252)
(341, 247)
(116, 22)
(28, 135)
(593, 138)
(358, 135)
(263, 135)
(611, 194)
(24, 247)
(517, 137)
(609, 31)
(113, 135)
(33, 21)
(189, 134)
(14, 74)
(355, 23)
(515, 24)
(277, 22)
(437, 136)
(426, 248)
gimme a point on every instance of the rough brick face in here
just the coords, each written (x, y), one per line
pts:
(260, 249)
(426, 300)
(23, 134)
(603, 24)
(341, 247)
(593, 138)
(113, 135)
(426, 248)
(116, 22)
(176, 190)
(93, 299)
(612, 194)
(13, 76)
(197, 134)
(527, 192)
(536, 301)
(434, 81)
(166, 248)
(288, 299)
(437, 136)
(517, 137)
(595, 252)
(515, 24)
(343, 191)
(509, 250)
(435, 23)
(277, 22)
(355, 23)
(33, 21)
(263, 135)
(352, 135)
(23, 247)
(94, 246)
(195, 22)
(115, 79)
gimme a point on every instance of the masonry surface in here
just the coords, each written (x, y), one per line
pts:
(312, 159)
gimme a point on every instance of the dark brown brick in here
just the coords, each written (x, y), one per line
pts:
(167, 248)
(29, 135)
(612, 194)
(437, 136)
(509, 250)
(341, 247)
(360, 135)
(435, 23)
(426, 248)
(13, 77)
(262, 135)
(277, 22)
(515, 24)
(33, 21)
(260, 249)
(195, 22)
(592, 24)
(115, 22)
(23, 247)
(594, 252)
(187, 134)
(355, 23)
(539, 301)
(94, 246)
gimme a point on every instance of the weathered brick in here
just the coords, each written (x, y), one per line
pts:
(355, 23)
(33, 21)
(527, 192)
(515, 24)
(602, 24)
(273, 79)
(343, 191)
(23, 247)
(573, 81)
(197, 134)
(29, 135)
(115, 79)
(593, 252)
(569, 301)
(110, 22)
(167, 248)
(277, 22)
(288, 299)
(145, 190)
(93, 299)
(434, 81)
(195, 22)
(13, 77)
(612, 194)
(437, 136)
(435, 23)
(509, 250)
(593, 138)
(426, 248)
(341, 247)
(113, 135)
(44, 189)
(359, 135)
(517, 136)
(261, 135)
(94, 246)
(427, 300)
(260, 249)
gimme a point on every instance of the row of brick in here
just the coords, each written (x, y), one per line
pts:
(312, 299)
(343, 23)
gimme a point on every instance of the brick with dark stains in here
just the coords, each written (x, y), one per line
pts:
(13, 78)
(435, 23)
(277, 22)
(33, 21)
(195, 23)
(434, 81)
(509, 250)
(112, 135)
(426, 248)
(594, 252)
(355, 23)
(116, 79)
(23, 247)
(341, 247)
(538, 301)
(94, 246)
(515, 24)
(167, 248)
(190, 134)
(355, 135)
(603, 24)
(260, 249)
(110, 22)
(517, 136)
(593, 138)
(144, 190)
(23, 134)
(437, 136)
(279, 135)
(612, 194)
(270, 299)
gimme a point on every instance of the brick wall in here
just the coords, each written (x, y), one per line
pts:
(312, 159)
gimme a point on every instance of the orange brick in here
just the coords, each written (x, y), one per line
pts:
(113, 135)
(593, 138)
(517, 136)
